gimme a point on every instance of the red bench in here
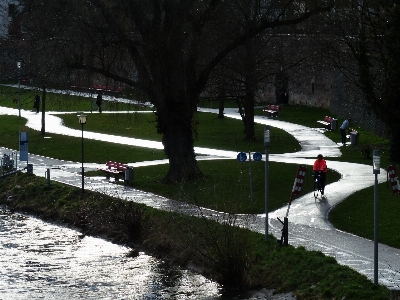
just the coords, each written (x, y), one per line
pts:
(105, 88)
(272, 110)
(327, 122)
(114, 168)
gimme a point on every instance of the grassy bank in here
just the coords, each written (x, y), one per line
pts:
(238, 258)
(214, 191)
(226, 187)
(211, 132)
(222, 174)
(60, 102)
(356, 215)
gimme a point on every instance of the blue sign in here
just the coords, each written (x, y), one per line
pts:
(241, 157)
(257, 156)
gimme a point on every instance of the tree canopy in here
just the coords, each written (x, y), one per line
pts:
(366, 48)
(166, 48)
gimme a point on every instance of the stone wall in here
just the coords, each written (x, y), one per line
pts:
(347, 101)
(332, 91)
(314, 89)
(307, 90)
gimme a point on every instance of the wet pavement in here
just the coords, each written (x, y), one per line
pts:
(308, 224)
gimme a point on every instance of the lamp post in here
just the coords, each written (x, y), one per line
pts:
(376, 170)
(267, 140)
(82, 121)
(19, 88)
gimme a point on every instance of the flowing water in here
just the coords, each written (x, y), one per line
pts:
(39, 260)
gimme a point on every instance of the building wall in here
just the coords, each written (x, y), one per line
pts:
(5, 18)
(347, 101)
(330, 90)
(314, 89)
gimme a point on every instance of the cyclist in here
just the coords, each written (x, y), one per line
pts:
(320, 167)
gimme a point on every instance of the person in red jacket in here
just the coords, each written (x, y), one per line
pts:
(320, 166)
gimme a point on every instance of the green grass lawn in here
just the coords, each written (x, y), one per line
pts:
(54, 145)
(222, 134)
(356, 214)
(226, 187)
(239, 256)
(227, 184)
(361, 153)
(60, 102)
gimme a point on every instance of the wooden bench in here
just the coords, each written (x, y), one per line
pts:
(272, 110)
(114, 168)
(327, 122)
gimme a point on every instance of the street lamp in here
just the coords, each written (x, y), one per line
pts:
(82, 121)
(376, 160)
(267, 140)
(19, 88)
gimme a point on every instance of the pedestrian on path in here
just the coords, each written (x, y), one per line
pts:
(99, 101)
(343, 128)
(320, 166)
(36, 102)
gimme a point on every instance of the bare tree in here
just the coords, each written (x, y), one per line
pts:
(366, 49)
(166, 48)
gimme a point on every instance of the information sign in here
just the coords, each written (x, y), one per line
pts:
(23, 146)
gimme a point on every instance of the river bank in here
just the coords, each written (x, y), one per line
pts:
(125, 223)
(239, 259)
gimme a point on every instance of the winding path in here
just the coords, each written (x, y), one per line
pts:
(308, 225)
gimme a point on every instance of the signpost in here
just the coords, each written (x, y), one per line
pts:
(242, 157)
(267, 141)
(23, 146)
(19, 88)
(376, 158)
(298, 184)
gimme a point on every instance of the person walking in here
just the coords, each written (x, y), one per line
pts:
(343, 128)
(36, 102)
(99, 101)
(320, 166)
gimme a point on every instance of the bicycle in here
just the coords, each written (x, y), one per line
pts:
(317, 185)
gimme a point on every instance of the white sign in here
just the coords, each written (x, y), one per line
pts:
(23, 146)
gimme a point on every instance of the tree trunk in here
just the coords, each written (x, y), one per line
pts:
(221, 105)
(43, 129)
(281, 88)
(175, 123)
(395, 143)
(250, 83)
(249, 116)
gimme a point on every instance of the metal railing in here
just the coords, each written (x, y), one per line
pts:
(8, 164)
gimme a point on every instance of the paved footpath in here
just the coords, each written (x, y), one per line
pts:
(308, 225)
